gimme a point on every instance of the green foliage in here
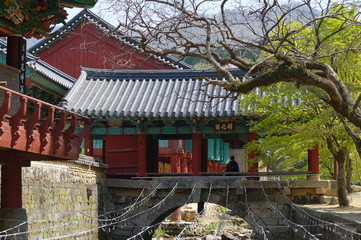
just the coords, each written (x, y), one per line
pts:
(212, 227)
(293, 120)
(159, 232)
(329, 40)
(223, 209)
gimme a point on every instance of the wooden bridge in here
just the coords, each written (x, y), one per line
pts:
(32, 130)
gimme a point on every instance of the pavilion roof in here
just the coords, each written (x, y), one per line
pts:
(107, 28)
(44, 68)
(151, 94)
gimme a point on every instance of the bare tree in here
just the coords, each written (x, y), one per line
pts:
(273, 29)
(197, 28)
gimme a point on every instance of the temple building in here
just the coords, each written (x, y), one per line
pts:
(136, 114)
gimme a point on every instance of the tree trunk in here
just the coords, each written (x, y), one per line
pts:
(348, 170)
(341, 155)
(341, 182)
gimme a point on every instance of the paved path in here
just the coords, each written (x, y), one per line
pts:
(351, 213)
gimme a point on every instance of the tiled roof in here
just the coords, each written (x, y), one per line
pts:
(44, 68)
(155, 93)
(106, 28)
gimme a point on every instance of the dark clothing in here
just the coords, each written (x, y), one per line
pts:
(232, 166)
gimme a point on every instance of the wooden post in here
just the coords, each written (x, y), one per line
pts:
(11, 211)
(313, 163)
(11, 185)
(142, 155)
(204, 155)
(196, 153)
(88, 145)
(252, 168)
(16, 57)
(152, 154)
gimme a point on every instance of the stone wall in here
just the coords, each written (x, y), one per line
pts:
(61, 198)
(326, 225)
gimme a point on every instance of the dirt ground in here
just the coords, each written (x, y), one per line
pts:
(352, 213)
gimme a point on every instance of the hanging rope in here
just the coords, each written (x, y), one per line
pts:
(294, 226)
(256, 227)
(199, 215)
(317, 222)
(157, 224)
(223, 215)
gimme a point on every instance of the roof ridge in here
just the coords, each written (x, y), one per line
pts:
(162, 74)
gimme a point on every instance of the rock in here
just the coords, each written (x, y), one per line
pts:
(228, 236)
(356, 188)
(211, 237)
(325, 199)
(189, 215)
(334, 201)
(237, 220)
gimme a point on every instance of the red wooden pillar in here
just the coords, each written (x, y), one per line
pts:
(204, 155)
(189, 162)
(175, 163)
(184, 164)
(196, 153)
(313, 163)
(11, 186)
(142, 155)
(253, 167)
(335, 169)
(11, 211)
(88, 145)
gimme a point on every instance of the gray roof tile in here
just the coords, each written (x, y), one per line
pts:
(150, 93)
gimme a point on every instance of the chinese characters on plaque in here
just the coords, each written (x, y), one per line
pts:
(225, 126)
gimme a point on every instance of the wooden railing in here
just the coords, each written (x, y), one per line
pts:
(31, 125)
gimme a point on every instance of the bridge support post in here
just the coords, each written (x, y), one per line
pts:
(313, 164)
(253, 167)
(11, 211)
(142, 155)
(200, 207)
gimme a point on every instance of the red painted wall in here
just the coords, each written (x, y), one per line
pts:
(87, 46)
(121, 153)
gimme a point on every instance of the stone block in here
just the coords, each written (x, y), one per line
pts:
(308, 184)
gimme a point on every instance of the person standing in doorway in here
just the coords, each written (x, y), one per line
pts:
(232, 166)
